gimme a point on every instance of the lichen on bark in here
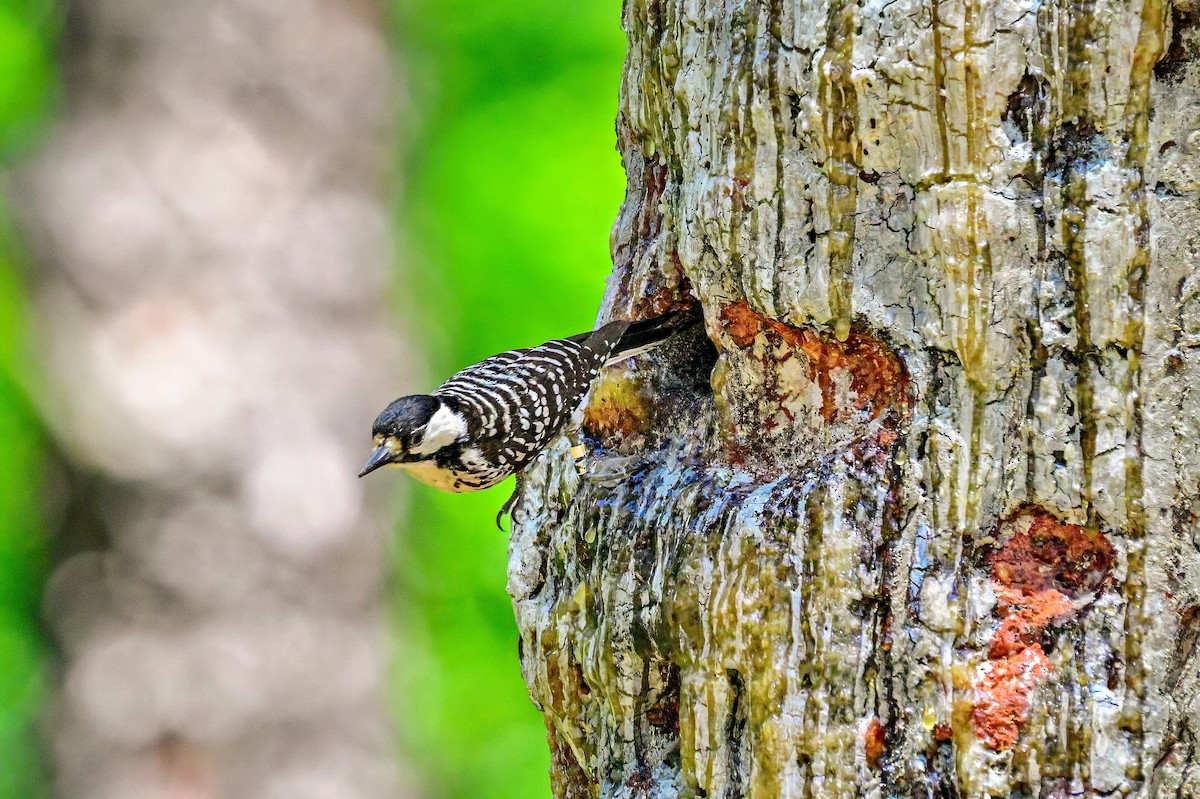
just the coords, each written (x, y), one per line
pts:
(945, 251)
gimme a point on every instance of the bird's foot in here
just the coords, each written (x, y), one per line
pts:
(507, 507)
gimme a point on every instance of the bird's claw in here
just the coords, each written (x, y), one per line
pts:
(510, 502)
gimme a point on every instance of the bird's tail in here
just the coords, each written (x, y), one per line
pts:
(646, 334)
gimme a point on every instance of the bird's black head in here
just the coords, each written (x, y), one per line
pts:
(405, 417)
(412, 429)
(399, 429)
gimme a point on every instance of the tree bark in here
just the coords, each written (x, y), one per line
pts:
(210, 221)
(922, 519)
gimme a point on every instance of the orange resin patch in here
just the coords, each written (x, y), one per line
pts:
(1002, 695)
(877, 377)
(873, 740)
(1050, 554)
(1037, 572)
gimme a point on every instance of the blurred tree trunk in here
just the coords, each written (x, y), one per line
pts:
(925, 522)
(211, 222)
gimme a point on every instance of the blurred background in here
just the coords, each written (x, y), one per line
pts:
(231, 232)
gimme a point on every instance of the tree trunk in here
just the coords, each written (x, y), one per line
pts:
(924, 522)
(211, 225)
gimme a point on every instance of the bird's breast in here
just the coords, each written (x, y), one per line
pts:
(447, 478)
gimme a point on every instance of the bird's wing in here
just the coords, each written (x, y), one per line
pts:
(485, 367)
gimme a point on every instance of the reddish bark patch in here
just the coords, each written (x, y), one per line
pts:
(1042, 565)
(1016, 663)
(878, 380)
(1025, 618)
(742, 323)
(1002, 695)
(873, 740)
(674, 297)
(1052, 555)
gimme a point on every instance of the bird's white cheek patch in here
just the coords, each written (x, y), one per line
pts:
(445, 428)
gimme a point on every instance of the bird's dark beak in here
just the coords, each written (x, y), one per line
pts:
(382, 456)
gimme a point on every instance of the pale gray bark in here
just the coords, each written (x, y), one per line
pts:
(210, 225)
(929, 525)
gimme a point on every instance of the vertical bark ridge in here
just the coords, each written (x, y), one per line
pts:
(1150, 44)
(840, 151)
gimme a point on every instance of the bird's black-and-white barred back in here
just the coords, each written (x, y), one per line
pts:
(516, 402)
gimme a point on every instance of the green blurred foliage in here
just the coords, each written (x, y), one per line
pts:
(27, 78)
(512, 183)
(27, 90)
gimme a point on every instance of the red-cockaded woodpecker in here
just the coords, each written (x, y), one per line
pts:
(492, 419)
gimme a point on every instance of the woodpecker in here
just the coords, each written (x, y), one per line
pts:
(492, 419)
